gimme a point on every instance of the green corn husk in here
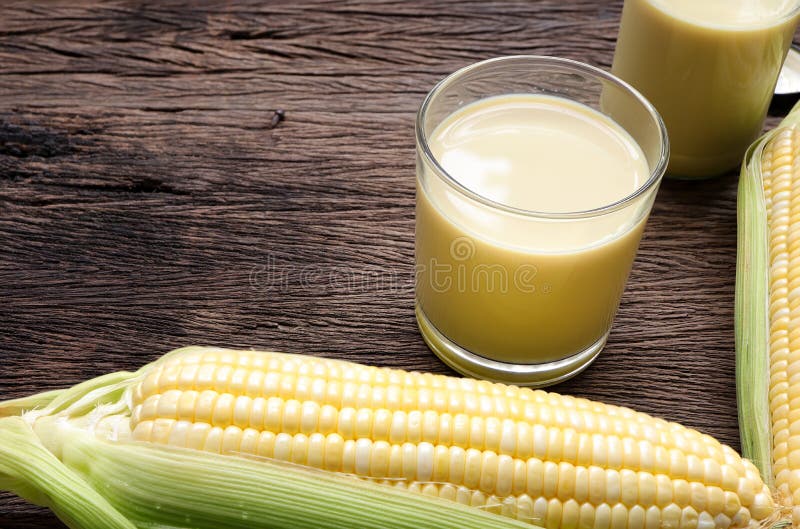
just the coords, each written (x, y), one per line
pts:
(71, 451)
(752, 308)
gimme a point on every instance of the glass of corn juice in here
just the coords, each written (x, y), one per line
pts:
(535, 178)
(710, 68)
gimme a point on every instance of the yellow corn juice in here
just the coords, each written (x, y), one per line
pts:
(709, 67)
(504, 285)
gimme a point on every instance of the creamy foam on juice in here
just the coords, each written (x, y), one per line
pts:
(709, 67)
(505, 286)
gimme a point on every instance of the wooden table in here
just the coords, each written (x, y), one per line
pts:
(242, 174)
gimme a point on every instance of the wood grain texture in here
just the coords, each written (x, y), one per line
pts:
(151, 196)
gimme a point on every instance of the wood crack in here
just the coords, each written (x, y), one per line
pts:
(144, 185)
(244, 34)
(24, 142)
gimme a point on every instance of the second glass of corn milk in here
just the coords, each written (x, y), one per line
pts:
(710, 68)
(535, 178)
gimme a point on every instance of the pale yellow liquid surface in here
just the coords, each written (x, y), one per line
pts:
(514, 288)
(709, 67)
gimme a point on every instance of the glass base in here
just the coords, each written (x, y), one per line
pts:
(533, 375)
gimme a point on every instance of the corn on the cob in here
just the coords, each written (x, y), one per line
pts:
(782, 204)
(768, 310)
(545, 459)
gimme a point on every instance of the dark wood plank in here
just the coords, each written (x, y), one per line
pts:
(150, 197)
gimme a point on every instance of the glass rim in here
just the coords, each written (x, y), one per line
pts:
(792, 10)
(569, 65)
